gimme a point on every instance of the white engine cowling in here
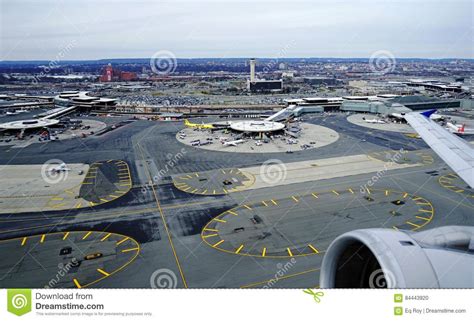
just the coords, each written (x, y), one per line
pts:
(385, 258)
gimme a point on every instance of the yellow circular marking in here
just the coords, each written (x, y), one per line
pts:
(211, 237)
(449, 181)
(128, 245)
(181, 184)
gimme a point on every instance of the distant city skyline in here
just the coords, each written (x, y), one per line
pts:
(88, 30)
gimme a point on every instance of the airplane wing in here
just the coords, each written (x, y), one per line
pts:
(455, 151)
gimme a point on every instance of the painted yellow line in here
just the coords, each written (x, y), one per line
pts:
(459, 191)
(196, 174)
(217, 244)
(422, 203)
(274, 203)
(84, 183)
(211, 229)
(386, 192)
(123, 240)
(405, 195)
(314, 195)
(194, 190)
(187, 188)
(214, 192)
(113, 196)
(368, 190)
(289, 251)
(423, 218)
(335, 192)
(189, 176)
(23, 241)
(395, 228)
(86, 235)
(264, 203)
(417, 198)
(313, 248)
(42, 238)
(205, 191)
(105, 237)
(295, 199)
(76, 282)
(248, 207)
(91, 203)
(264, 251)
(125, 185)
(78, 205)
(103, 272)
(233, 213)
(350, 190)
(223, 171)
(225, 191)
(425, 211)
(210, 235)
(219, 220)
(57, 198)
(66, 235)
(412, 224)
(239, 249)
(104, 200)
(131, 249)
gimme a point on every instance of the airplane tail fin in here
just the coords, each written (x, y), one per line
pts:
(428, 113)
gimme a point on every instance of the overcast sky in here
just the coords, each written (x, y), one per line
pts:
(94, 29)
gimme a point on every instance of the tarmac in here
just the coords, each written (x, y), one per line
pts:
(172, 226)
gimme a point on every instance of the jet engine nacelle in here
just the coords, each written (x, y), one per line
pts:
(386, 258)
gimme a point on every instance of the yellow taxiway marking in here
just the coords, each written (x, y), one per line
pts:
(313, 248)
(239, 249)
(412, 224)
(223, 171)
(210, 235)
(76, 282)
(57, 198)
(86, 235)
(335, 192)
(425, 211)
(105, 237)
(395, 228)
(104, 200)
(219, 220)
(196, 174)
(233, 213)
(187, 188)
(211, 229)
(131, 249)
(350, 190)
(248, 207)
(289, 251)
(368, 191)
(42, 238)
(264, 203)
(194, 190)
(103, 272)
(264, 251)
(217, 244)
(295, 199)
(314, 195)
(225, 191)
(78, 205)
(386, 192)
(123, 240)
(65, 235)
(423, 218)
(23, 241)
(214, 192)
(405, 195)
(274, 203)
(422, 203)
(205, 191)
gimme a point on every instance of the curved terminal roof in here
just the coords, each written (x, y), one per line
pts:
(29, 123)
(256, 126)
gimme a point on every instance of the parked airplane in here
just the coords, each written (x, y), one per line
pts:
(233, 142)
(187, 123)
(373, 121)
(459, 129)
(60, 168)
